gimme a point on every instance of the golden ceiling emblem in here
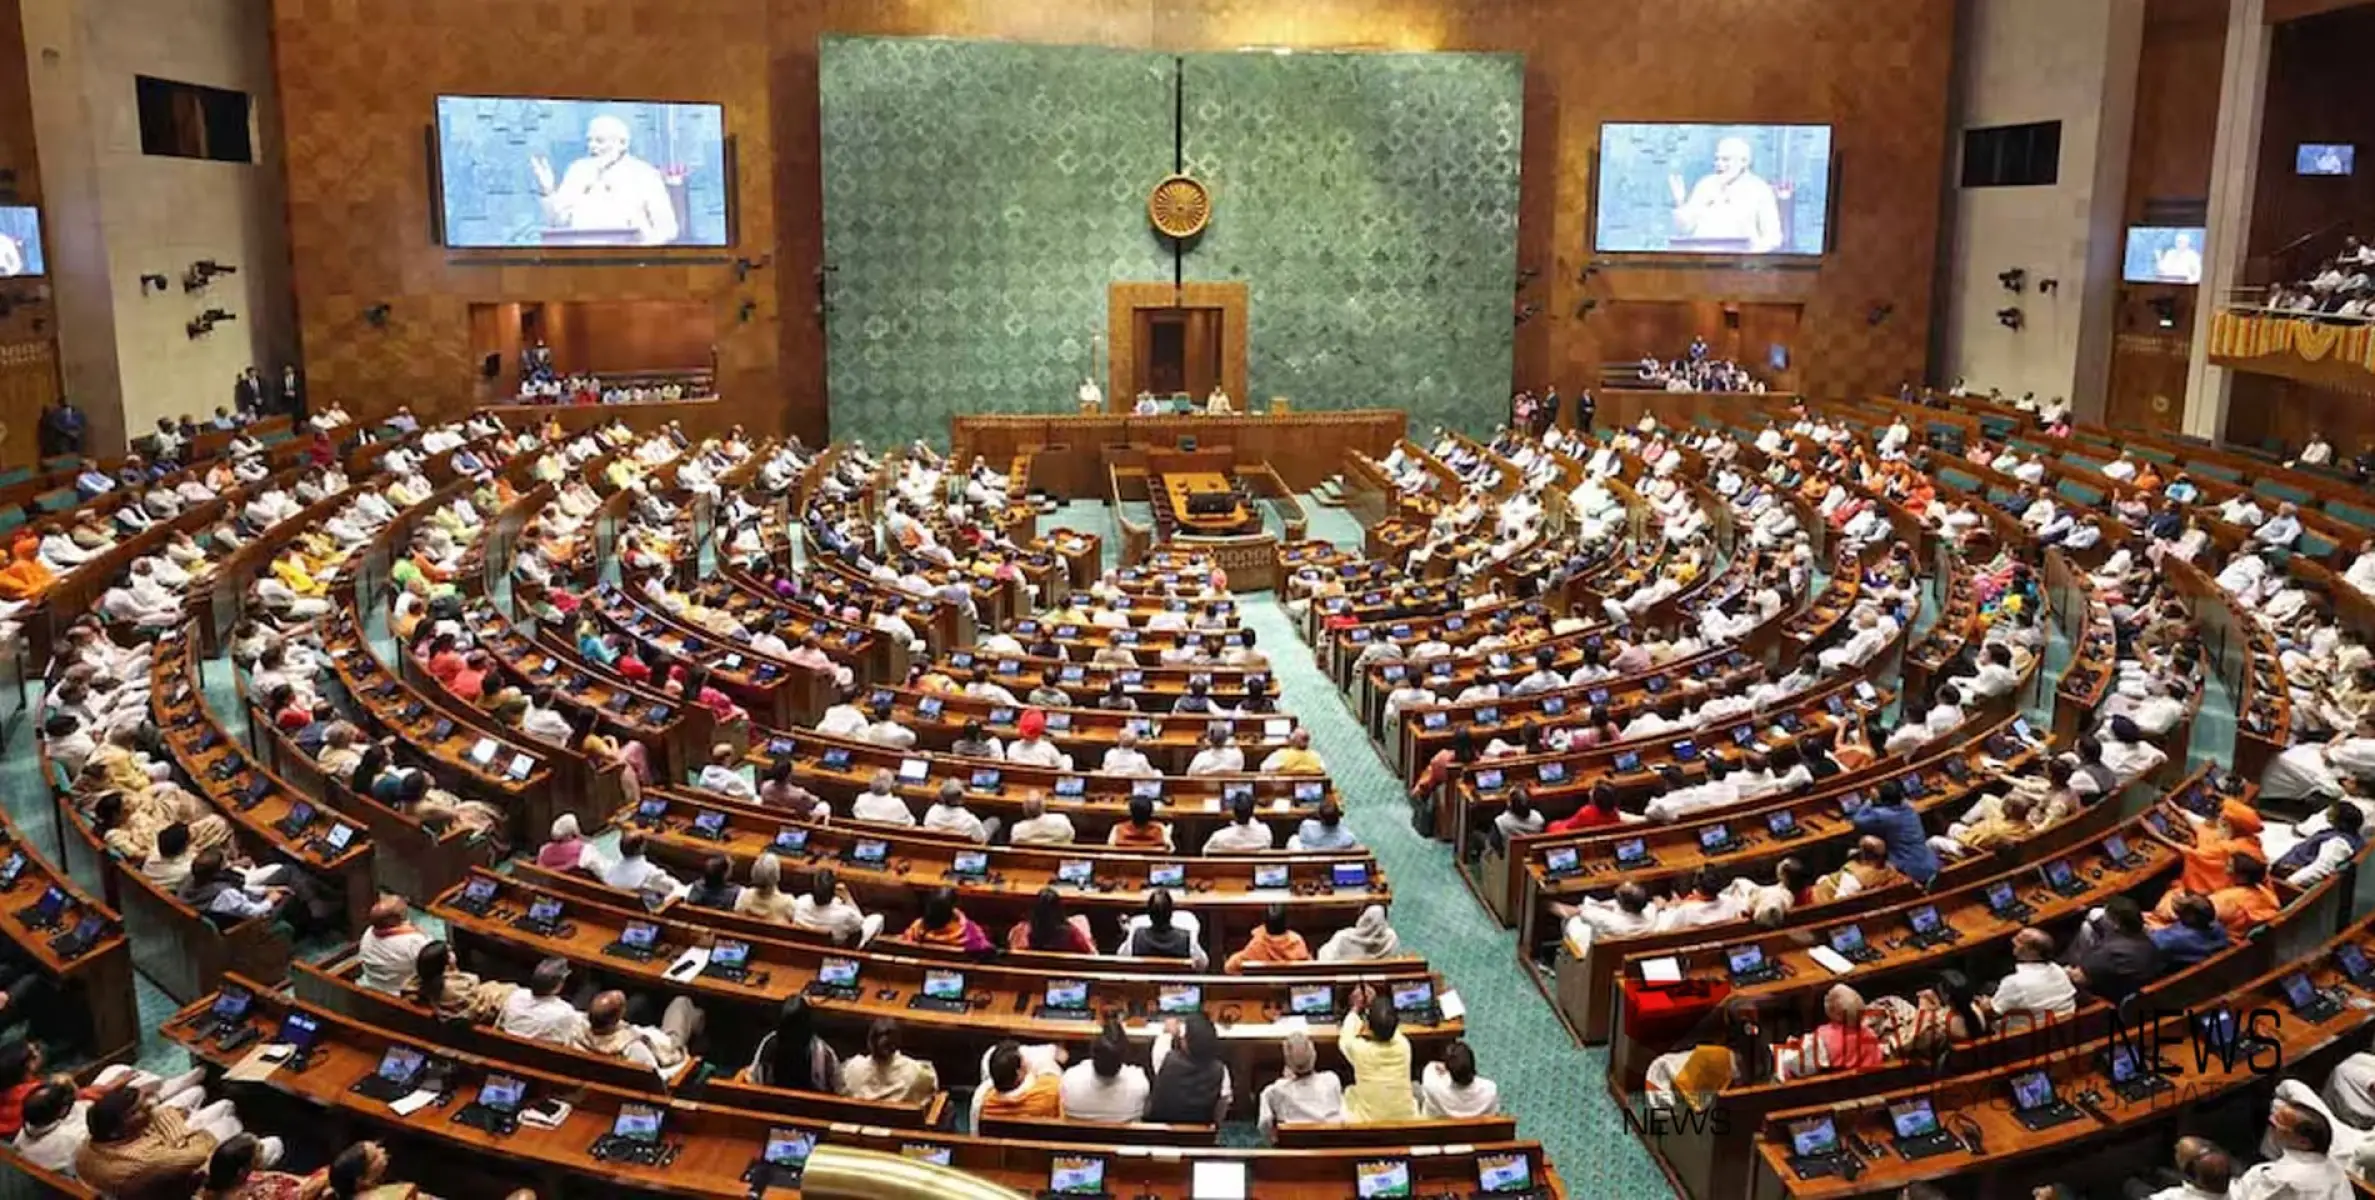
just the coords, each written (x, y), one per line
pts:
(1179, 206)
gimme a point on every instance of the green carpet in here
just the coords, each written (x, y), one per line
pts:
(1550, 1084)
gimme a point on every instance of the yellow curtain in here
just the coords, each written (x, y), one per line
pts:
(2250, 335)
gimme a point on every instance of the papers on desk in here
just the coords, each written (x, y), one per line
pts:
(689, 963)
(413, 1103)
(260, 1063)
(1662, 971)
(1453, 1007)
(1830, 960)
(1282, 804)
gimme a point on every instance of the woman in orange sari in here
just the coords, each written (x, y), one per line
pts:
(1272, 942)
(1852, 748)
(25, 578)
(944, 924)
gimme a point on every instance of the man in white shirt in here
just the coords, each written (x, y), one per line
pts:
(1995, 676)
(1705, 904)
(1731, 205)
(635, 873)
(2304, 1168)
(2242, 574)
(1104, 1089)
(2151, 704)
(2038, 987)
(657, 1048)
(827, 908)
(2281, 530)
(723, 774)
(843, 718)
(388, 948)
(1033, 749)
(1860, 647)
(2321, 767)
(1220, 756)
(885, 730)
(1627, 914)
(1243, 834)
(2241, 509)
(1039, 827)
(539, 1010)
(1939, 721)
(1124, 758)
(880, 804)
(948, 814)
(609, 189)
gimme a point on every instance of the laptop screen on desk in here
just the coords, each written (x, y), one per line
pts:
(788, 1147)
(2031, 1090)
(636, 1123)
(401, 1064)
(502, 1093)
(1813, 1138)
(1913, 1118)
(1502, 1174)
(1076, 1175)
(1382, 1179)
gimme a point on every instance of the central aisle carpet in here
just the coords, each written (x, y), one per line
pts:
(1554, 1088)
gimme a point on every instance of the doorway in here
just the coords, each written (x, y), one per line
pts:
(1179, 351)
(1175, 340)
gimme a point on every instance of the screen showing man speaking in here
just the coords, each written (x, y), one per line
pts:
(20, 241)
(1713, 189)
(2163, 254)
(528, 172)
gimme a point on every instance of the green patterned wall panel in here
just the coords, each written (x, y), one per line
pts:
(978, 198)
(1369, 203)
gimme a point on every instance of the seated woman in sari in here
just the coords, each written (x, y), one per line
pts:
(1845, 1041)
(944, 924)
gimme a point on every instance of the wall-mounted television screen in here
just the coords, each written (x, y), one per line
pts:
(524, 172)
(20, 241)
(1712, 189)
(2324, 158)
(2163, 254)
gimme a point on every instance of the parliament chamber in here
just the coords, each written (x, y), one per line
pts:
(1186, 600)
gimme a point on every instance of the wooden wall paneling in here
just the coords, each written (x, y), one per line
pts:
(2311, 63)
(29, 378)
(357, 84)
(2270, 411)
